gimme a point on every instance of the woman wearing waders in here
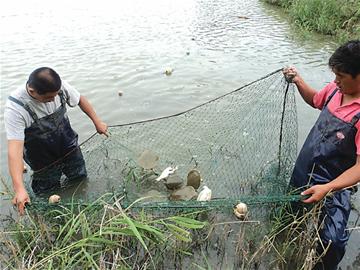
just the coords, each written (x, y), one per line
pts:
(39, 132)
(329, 161)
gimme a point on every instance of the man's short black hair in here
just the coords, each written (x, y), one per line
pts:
(346, 58)
(44, 80)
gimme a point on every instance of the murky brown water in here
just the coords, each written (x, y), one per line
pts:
(106, 46)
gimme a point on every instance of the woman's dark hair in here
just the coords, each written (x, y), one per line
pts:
(346, 58)
(44, 80)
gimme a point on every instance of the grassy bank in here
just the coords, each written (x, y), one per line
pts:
(340, 18)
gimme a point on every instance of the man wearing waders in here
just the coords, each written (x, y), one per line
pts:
(38, 131)
(329, 160)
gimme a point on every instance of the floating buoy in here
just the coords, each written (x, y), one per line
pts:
(120, 93)
(168, 71)
(54, 198)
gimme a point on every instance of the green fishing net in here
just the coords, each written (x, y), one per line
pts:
(243, 144)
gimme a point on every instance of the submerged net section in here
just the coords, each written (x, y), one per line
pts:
(242, 143)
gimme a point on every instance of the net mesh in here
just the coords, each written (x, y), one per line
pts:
(242, 143)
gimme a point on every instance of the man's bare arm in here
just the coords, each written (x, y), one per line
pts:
(304, 89)
(16, 167)
(87, 108)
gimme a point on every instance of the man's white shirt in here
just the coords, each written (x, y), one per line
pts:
(16, 118)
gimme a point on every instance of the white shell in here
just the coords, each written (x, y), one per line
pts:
(204, 195)
(168, 71)
(241, 210)
(54, 198)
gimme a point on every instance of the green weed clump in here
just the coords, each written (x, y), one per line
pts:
(340, 18)
(100, 235)
(104, 234)
(281, 3)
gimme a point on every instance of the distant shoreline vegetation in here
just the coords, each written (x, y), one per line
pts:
(339, 18)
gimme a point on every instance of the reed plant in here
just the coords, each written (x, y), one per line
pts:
(294, 237)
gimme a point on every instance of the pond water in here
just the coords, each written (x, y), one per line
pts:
(103, 47)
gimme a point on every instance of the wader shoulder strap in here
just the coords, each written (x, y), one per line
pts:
(25, 106)
(63, 97)
(355, 119)
(330, 97)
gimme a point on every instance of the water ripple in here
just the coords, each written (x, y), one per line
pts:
(214, 46)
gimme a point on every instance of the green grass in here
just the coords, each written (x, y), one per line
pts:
(340, 18)
(103, 235)
(88, 236)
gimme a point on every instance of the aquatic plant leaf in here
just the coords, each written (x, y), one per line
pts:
(188, 222)
(134, 230)
(150, 229)
(178, 232)
(102, 241)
